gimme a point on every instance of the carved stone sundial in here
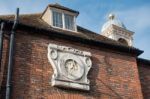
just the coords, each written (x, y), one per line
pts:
(70, 66)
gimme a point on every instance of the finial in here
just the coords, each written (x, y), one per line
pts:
(111, 16)
(57, 2)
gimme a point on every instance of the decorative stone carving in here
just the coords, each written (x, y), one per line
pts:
(70, 66)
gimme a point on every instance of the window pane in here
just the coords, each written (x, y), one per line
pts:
(57, 19)
(69, 22)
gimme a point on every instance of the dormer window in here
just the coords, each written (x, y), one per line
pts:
(63, 20)
(60, 17)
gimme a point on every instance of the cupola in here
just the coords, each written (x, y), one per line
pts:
(112, 20)
(58, 16)
(116, 30)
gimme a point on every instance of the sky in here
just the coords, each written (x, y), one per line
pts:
(135, 14)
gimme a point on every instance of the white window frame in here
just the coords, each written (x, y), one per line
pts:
(57, 20)
(63, 20)
(71, 23)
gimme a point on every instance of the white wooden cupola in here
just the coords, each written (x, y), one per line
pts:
(116, 30)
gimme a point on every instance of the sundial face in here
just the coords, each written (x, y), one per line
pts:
(73, 67)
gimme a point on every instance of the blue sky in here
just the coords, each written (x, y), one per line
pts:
(135, 14)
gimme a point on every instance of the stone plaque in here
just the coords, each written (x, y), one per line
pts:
(70, 66)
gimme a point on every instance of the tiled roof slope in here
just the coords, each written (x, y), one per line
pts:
(34, 20)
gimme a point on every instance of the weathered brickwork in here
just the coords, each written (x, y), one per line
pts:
(144, 73)
(3, 68)
(113, 75)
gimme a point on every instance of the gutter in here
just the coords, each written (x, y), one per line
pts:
(143, 61)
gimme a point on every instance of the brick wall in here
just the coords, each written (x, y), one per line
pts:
(3, 68)
(144, 73)
(113, 75)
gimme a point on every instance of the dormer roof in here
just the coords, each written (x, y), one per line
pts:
(58, 6)
(61, 17)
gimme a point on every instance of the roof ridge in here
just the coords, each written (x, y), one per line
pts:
(59, 6)
(7, 15)
(24, 14)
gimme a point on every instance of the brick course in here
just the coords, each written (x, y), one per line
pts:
(113, 75)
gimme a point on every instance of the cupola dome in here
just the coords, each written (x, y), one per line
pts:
(112, 20)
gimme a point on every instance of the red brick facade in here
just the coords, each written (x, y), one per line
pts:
(144, 72)
(114, 75)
